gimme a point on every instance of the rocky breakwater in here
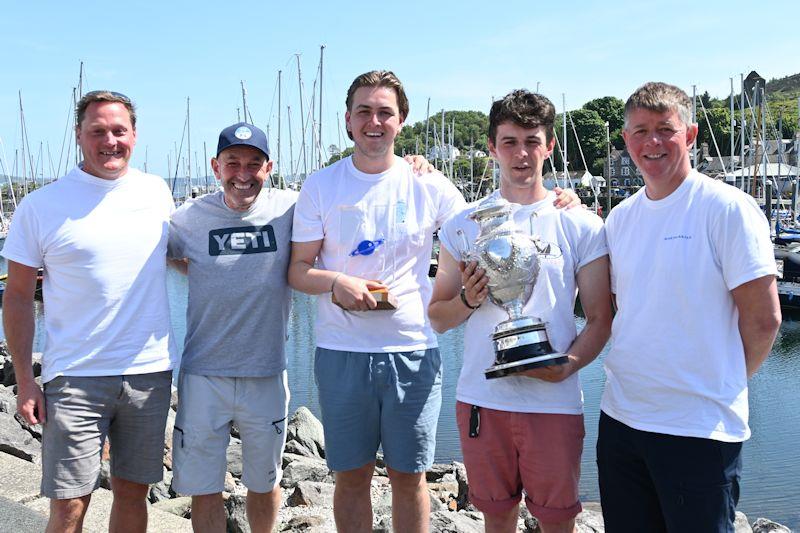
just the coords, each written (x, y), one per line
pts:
(307, 483)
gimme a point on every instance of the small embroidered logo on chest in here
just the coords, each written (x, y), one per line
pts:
(678, 237)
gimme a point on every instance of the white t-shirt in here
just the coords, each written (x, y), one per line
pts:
(676, 364)
(395, 213)
(103, 246)
(580, 236)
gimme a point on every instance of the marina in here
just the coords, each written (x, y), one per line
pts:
(771, 457)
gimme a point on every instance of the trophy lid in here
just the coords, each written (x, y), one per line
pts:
(491, 207)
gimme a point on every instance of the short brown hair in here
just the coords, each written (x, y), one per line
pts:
(660, 97)
(525, 109)
(104, 96)
(380, 78)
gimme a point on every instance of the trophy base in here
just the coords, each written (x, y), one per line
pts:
(386, 300)
(506, 369)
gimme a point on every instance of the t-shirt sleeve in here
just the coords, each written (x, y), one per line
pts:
(24, 242)
(741, 240)
(307, 223)
(590, 243)
(450, 201)
(450, 239)
(176, 245)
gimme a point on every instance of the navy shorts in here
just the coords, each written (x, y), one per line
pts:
(656, 482)
(379, 399)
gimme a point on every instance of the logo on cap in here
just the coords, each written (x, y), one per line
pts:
(243, 133)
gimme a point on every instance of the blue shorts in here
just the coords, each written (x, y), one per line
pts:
(379, 399)
(656, 482)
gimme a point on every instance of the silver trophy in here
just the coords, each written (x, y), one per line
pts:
(510, 259)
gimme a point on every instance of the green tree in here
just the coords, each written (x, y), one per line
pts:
(591, 131)
(720, 120)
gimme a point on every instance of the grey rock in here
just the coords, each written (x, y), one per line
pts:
(310, 524)
(105, 474)
(237, 514)
(234, 457)
(230, 483)
(162, 490)
(529, 522)
(296, 448)
(235, 431)
(590, 520)
(462, 500)
(178, 506)
(10, 376)
(447, 522)
(305, 469)
(34, 429)
(741, 524)
(173, 402)
(311, 493)
(762, 525)
(437, 471)
(288, 458)
(18, 442)
(17, 517)
(8, 402)
(307, 430)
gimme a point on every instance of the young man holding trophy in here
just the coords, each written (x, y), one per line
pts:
(520, 404)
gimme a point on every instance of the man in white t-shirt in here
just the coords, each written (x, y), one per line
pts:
(366, 223)
(693, 272)
(525, 431)
(100, 233)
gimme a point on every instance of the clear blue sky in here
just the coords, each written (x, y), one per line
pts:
(458, 54)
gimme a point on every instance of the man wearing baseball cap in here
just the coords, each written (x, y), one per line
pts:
(234, 365)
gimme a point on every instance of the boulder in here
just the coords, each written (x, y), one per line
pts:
(8, 402)
(18, 442)
(10, 376)
(178, 506)
(305, 469)
(296, 448)
(162, 490)
(741, 524)
(762, 525)
(311, 493)
(590, 520)
(310, 524)
(168, 432)
(234, 457)
(236, 510)
(105, 474)
(462, 500)
(437, 471)
(447, 522)
(307, 430)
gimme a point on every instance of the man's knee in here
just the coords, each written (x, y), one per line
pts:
(128, 490)
(70, 510)
(406, 481)
(355, 479)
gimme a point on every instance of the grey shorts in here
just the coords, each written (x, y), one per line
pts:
(207, 407)
(82, 411)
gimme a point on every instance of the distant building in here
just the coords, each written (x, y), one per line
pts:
(447, 151)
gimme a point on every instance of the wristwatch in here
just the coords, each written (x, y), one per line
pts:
(464, 299)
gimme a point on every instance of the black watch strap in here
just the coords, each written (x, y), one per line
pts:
(464, 299)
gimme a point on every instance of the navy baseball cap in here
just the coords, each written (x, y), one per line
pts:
(243, 133)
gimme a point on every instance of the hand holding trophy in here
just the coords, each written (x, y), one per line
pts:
(510, 259)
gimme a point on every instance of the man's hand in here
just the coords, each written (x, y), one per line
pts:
(352, 293)
(553, 373)
(475, 283)
(419, 164)
(566, 198)
(30, 403)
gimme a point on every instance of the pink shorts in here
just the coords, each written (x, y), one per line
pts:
(538, 452)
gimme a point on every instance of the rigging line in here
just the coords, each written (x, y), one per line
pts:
(577, 141)
(272, 104)
(178, 155)
(711, 131)
(70, 121)
(561, 152)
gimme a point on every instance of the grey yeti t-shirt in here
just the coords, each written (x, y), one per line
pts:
(239, 296)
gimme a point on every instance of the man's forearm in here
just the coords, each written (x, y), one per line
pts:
(448, 314)
(18, 323)
(588, 344)
(310, 280)
(758, 335)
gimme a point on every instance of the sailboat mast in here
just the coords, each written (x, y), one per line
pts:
(281, 184)
(427, 128)
(564, 135)
(302, 118)
(742, 129)
(733, 123)
(244, 101)
(291, 144)
(189, 150)
(694, 121)
(319, 124)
